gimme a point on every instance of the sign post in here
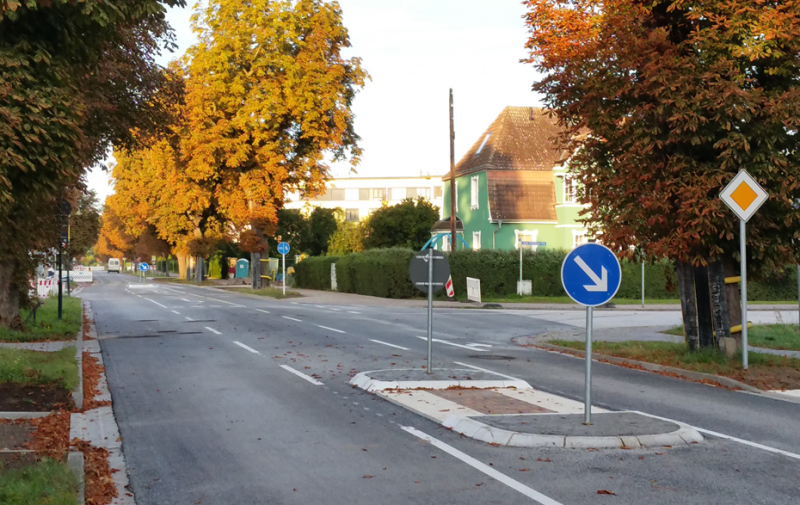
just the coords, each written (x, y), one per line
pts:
(744, 196)
(283, 248)
(429, 271)
(597, 265)
(143, 268)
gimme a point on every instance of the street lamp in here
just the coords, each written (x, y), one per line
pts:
(66, 208)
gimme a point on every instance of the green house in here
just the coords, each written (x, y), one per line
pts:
(510, 187)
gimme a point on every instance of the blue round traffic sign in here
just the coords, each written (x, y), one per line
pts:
(144, 267)
(283, 248)
(591, 274)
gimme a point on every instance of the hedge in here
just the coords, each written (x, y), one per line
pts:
(384, 273)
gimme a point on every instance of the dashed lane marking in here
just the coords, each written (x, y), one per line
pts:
(247, 347)
(175, 312)
(390, 345)
(486, 370)
(293, 319)
(264, 311)
(212, 330)
(189, 318)
(160, 305)
(310, 379)
(447, 342)
(332, 329)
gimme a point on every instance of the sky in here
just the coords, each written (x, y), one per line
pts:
(415, 51)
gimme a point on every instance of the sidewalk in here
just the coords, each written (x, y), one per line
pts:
(499, 410)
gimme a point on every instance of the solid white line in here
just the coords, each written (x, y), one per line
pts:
(264, 311)
(390, 345)
(176, 312)
(453, 344)
(163, 306)
(332, 329)
(312, 380)
(189, 318)
(246, 347)
(293, 319)
(728, 437)
(491, 472)
(486, 370)
(212, 330)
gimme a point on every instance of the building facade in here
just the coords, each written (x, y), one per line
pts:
(360, 196)
(511, 188)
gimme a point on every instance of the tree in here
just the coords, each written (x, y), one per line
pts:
(348, 238)
(292, 228)
(322, 225)
(662, 103)
(84, 223)
(407, 224)
(74, 78)
(268, 101)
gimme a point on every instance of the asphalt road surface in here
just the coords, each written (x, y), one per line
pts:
(223, 398)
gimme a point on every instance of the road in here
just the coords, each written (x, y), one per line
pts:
(223, 398)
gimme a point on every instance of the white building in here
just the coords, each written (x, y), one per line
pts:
(360, 196)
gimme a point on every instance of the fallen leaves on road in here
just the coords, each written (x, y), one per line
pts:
(92, 370)
(606, 491)
(100, 488)
(367, 476)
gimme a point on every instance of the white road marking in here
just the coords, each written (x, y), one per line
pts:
(447, 342)
(189, 318)
(728, 437)
(312, 380)
(293, 319)
(229, 303)
(487, 370)
(176, 312)
(185, 300)
(481, 467)
(212, 330)
(332, 329)
(246, 347)
(390, 345)
(160, 305)
(335, 310)
(264, 311)
(353, 312)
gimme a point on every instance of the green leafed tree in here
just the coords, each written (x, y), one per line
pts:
(407, 224)
(662, 103)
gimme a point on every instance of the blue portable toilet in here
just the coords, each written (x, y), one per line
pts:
(242, 268)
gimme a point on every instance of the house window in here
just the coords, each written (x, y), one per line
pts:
(351, 215)
(570, 189)
(476, 240)
(411, 193)
(473, 193)
(579, 238)
(379, 193)
(437, 192)
(525, 236)
(399, 193)
(363, 194)
(445, 243)
(337, 194)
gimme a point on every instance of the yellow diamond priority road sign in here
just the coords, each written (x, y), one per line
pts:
(743, 195)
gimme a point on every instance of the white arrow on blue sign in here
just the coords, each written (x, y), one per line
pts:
(283, 248)
(591, 274)
(144, 267)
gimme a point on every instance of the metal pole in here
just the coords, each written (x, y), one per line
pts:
(60, 288)
(798, 287)
(69, 265)
(642, 284)
(520, 262)
(743, 262)
(452, 179)
(587, 405)
(284, 273)
(430, 311)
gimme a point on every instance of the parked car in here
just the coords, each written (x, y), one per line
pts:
(113, 265)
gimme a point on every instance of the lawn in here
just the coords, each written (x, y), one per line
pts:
(36, 367)
(45, 483)
(766, 371)
(772, 336)
(48, 326)
(270, 292)
(565, 299)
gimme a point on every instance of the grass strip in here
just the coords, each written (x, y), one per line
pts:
(37, 367)
(276, 293)
(785, 337)
(48, 327)
(45, 483)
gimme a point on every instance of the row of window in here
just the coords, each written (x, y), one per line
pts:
(343, 194)
(570, 192)
(578, 238)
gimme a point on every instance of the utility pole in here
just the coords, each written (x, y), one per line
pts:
(452, 179)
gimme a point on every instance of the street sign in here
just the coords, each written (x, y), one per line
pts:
(533, 243)
(743, 195)
(591, 274)
(144, 267)
(283, 248)
(418, 270)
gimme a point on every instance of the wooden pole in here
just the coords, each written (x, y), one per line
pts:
(452, 180)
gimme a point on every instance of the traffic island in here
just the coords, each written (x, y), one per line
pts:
(500, 410)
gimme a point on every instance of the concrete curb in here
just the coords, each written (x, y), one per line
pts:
(365, 382)
(76, 462)
(652, 367)
(24, 415)
(77, 393)
(472, 428)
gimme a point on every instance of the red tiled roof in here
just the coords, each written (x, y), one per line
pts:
(521, 196)
(521, 138)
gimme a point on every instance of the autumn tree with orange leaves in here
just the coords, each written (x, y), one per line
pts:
(662, 103)
(268, 98)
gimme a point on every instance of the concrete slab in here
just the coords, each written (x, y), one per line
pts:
(608, 424)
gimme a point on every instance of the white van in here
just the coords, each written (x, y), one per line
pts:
(113, 265)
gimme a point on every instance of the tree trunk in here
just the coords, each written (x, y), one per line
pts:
(199, 268)
(704, 319)
(688, 305)
(734, 299)
(719, 301)
(9, 297)
(183, 270)
(255, 269)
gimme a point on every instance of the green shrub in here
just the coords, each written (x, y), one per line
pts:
(314, 272)
(215, 267)
(377, 272)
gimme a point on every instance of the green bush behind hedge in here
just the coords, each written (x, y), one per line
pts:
(384, 273)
